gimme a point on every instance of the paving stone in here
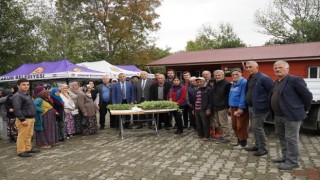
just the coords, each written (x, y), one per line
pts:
(145, 156)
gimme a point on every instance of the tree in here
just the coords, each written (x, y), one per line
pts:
(209, 38)
(117, 29)
(290, 21)
(16, 40)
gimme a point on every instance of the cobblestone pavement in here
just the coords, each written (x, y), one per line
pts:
(146, 156)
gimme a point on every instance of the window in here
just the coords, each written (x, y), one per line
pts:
(314, 72)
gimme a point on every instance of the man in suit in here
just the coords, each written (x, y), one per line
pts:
(123, 93)
(159, 92)
(104, 91)
(290, 103)
(258, 88)
(143, 86)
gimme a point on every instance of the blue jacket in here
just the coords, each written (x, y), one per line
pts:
(295, 98)
(117, 96)
(260, 93)
(237, 94)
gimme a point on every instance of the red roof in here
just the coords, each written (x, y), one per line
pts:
(259, 53)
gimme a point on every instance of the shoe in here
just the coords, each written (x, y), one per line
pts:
(222, 141)
(167, 128)
(279, 160)
(33, 151)
(253, 148)
(260, 153)
(139, 126)
(284, 166)
(150, 127)
(186, 127)
(24, 154)
(45, 147)
(239, 147)
(61, 140)
(235, 144)
(101, 128)
(178, 132)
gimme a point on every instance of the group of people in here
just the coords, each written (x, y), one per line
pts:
(205, 103)
(249, 101)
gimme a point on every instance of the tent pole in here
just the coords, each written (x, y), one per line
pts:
(149, 69)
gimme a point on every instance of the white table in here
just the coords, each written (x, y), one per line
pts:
(123, 113)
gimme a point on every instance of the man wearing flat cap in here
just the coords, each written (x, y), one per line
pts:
(238, 108)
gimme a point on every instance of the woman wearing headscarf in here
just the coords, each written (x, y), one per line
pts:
(74, 93)
(12, 131)
(69, 106)
(45, 125)
(87, 108)
(58, 105)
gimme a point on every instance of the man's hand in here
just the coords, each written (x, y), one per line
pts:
(25, 123)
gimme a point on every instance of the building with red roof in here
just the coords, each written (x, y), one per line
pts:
(303, 58)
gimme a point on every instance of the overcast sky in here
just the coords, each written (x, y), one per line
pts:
(181, 20)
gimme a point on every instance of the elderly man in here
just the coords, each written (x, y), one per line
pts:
(257, 98)
(220, 95)
(159, 92)
(143, 86)
(104, 91)
(202, 109)
(238, 108)
(207, 76)
(290, 103)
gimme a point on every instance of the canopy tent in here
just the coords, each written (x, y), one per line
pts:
(129, 68)
(62, 69)
(109, 69)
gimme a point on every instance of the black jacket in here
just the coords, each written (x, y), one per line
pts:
(154, 91)
(220, 95)
(23, 106)
(206, 99)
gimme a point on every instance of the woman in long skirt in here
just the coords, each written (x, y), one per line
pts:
(46, 137)
(58, 105)
(69, 106)
(87, 108)
(74, 92)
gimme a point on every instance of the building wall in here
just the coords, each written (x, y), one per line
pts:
(298, 68)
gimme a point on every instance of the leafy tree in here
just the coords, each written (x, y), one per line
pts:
(16, 40)
(118, 30)
(290, 21)
(209, 38)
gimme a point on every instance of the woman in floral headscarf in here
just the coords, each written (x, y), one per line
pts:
(45, 125)
(58, 105)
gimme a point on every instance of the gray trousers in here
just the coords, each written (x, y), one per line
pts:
(257, 120)
(288, 134)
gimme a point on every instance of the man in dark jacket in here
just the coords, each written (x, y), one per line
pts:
(258, 89)
(220, 95)
(25, 111)
(192, 89)
(159, 92)
(290, 103)
(202, 109)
